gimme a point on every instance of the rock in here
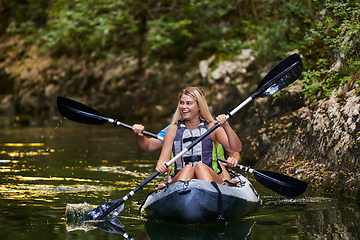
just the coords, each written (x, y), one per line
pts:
(51, 91)
(229, 69)
(6, 105)
(204, 66)
(326, 136)
(298, 171)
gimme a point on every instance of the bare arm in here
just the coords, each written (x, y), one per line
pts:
(226, 135)
(233, 159)
(144, 143)
(166, 150)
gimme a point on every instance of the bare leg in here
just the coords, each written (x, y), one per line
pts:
(186, 172)
(224, 174)
(168, 178)
(204, 172)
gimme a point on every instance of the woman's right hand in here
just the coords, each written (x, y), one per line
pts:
(222, 120)
(138, 128)
(161, 168)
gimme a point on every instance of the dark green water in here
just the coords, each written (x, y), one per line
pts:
(43, 170)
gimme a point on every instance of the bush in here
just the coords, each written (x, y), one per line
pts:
(338, 28)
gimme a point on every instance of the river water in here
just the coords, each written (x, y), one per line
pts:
(46, 170)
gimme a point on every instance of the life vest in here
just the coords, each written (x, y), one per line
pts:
(205, 151)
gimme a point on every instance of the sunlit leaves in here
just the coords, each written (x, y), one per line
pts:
(187, 32)
(162, 33)
(339, 30)
(84, 26)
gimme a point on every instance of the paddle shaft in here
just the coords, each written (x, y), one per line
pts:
(118, 123)
(264, 176)
(126, 197)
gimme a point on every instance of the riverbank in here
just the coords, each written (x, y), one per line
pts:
(318, 144)
(32, 80)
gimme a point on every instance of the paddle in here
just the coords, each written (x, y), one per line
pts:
(279, 183)
(112, 226)
(81, 113)
(282, 75)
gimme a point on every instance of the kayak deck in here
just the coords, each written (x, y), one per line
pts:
(196, 201)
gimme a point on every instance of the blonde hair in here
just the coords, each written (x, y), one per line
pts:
(199, 96)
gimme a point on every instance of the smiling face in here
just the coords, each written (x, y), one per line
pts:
(192, 103)
(189, 108)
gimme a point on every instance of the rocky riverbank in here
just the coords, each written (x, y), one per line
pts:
(318, 143)
(31, 81)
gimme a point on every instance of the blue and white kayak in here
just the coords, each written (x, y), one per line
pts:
(196, 201)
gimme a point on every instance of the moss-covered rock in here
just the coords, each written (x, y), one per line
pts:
(321, 146)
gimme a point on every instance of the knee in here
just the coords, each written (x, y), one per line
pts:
(200, 167)
(188, 168)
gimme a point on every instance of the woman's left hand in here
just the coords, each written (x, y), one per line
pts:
(232, 162)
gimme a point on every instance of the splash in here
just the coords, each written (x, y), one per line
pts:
(74, 212)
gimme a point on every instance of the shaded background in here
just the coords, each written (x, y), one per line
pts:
(130, 59)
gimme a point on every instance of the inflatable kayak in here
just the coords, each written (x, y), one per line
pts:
(196, 201)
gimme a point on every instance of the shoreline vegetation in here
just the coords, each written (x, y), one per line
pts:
(127, 59)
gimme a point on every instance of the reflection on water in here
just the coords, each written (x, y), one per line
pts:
(306, 218)
(109, 225)
(43, 191)
(17, 150)
(44, 170)
(339, 222)
(231, 230)
(119, 170)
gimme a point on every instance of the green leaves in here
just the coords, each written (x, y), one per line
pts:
(339, 30)
(161, 33)
(84, 26)
(327, 33)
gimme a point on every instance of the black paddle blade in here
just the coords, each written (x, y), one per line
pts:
(112, 225)
(281, 184)
(280, 76)
(99, 211)
(79, 112)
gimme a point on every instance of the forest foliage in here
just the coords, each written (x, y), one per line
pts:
(325, 32)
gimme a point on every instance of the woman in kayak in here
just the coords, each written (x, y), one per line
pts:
(152, 144)
(191, 119)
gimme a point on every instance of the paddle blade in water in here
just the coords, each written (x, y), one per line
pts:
(74, 212)
(281, 184)
(280, 76)
(99, 211)
(79, 112)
